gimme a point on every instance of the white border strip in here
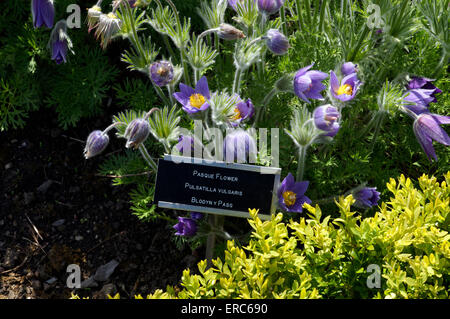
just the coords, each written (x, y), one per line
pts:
(208, 210)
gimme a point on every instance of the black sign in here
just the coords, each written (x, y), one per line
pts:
(222, 188)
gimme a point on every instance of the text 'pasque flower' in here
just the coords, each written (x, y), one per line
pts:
(291, 194)
(307, 84)
(194, 101)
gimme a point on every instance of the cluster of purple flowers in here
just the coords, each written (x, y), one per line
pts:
(420, 93)
(43, 12)
(187, 226)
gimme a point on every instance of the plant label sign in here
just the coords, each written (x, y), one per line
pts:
(199, 185)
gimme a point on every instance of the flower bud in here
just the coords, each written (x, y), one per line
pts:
(136, 132)
(366, 197)
(277, 42)
(60, 42)
(161, 73)
(348, 68)
(270, 6)
(96, 143)
(228, 32)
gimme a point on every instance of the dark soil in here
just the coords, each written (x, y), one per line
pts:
(55, 211)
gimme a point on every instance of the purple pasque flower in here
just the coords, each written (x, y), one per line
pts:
(346, 89)
(308, 85)
(185, 227)
(270, 6)
(326, 119)
(59, 51)
(185, 143)
(424, 83)
(243, 110)
(43, 13)
(277, 42)
(96, 143)
(161, 72)
(417, 100)
(291, 194)
(194, 101)
(366, 197)
(196, 215)
(427, 128)
(349, 68)
(239, 146)
(136, 132)
(233, 3)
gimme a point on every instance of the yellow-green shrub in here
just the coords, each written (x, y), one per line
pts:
(319, 257)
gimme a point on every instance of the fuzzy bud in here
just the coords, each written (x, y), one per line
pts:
(161, 73)
(136, 132)
(96, 143)
(277, 42)
(228, 32)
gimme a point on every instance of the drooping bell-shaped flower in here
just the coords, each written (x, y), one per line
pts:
(277, 42)
(194, 101)
(326, 119)
(346, 89)
(239, 146)
(136, 132)
(291, 194)
(348, 68)
(228, 32)
(185, 227)
(96, 143)
(366, 197)
(308, 85)
(60, 42)
(43, 12)
(270, 6)
(427, 128)
(161, 72)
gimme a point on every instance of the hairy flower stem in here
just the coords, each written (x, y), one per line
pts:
(109, 128)
(170, 91)
(237, 81)
(161, 94)
(283, 20)
(377, 130)
(261, 109)
(301, 162)
(147, 157)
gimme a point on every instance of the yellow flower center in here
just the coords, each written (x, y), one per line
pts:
(289, 198)
(162, 71)
(197, 100)
(237, 115)
(345, 89)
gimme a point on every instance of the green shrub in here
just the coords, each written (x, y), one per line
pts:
(319, 257)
